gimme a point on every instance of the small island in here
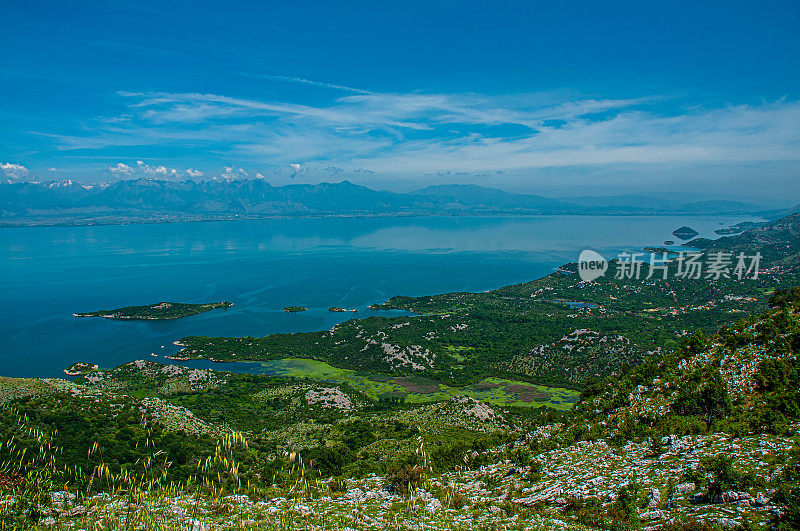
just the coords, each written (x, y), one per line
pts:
(162, 310)
(685, 233)
(340, 309)
(293, 309)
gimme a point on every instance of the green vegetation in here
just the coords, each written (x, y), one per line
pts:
(418, 390)
(295, 309)
(161, 310)
(741, 380)
(677, 407)
(531, 332)
(309, 441)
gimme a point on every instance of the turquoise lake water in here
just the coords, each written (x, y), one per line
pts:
(48, 273)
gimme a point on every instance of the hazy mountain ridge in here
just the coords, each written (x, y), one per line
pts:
(143, 200)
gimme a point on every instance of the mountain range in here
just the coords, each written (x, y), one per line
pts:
(147, 200)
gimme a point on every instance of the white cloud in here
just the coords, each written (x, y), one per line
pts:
(415, 132)
(231, 173)
(297, 169)
(159, 170)
(334, 170)
(194, 173)
(14, 171)
(121, 169)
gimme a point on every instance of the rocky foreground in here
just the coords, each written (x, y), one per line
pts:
(544, 494)
(704, 437)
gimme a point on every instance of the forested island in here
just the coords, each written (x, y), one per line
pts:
(159, 311)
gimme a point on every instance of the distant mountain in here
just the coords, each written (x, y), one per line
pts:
(248, 197)
(626, 201)
(718, 207)
(643, 203)
(152, 200)
(472, 196)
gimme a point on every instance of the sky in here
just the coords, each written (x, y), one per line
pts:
(557, 98)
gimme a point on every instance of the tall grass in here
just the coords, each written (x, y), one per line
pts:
(38, 492)
(31, 477)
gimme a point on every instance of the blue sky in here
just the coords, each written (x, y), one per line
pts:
(599, 97)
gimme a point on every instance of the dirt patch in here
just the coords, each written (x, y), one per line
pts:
(417, 385)
(519, 388)
(486, 386)
(533, 397)
(526, 393)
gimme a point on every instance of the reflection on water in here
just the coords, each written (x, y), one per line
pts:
(262, 266)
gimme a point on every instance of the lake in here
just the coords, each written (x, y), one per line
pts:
(48, 273)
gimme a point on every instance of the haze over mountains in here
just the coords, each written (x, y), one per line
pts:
(143, 200)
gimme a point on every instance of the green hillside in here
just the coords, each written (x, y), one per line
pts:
(686, 416)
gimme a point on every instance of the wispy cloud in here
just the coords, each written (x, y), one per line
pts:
(303, 81)
(456, 132)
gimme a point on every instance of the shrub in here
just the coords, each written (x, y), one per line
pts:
(782, 298)
(405, 478)
(337, 485)
(787, 495)
(534, 475)
(450, 497)
(628, 501)
(724, 476)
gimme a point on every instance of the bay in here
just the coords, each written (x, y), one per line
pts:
(48, 273)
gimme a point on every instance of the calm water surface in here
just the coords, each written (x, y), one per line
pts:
(261, 266)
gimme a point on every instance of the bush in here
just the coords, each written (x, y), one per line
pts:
(628, 501)
(534, 475)
(337, 485)
(782, 298)
(725, 477)
(788, 494)
(405, 478)
(704, 395)
(450, 497)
